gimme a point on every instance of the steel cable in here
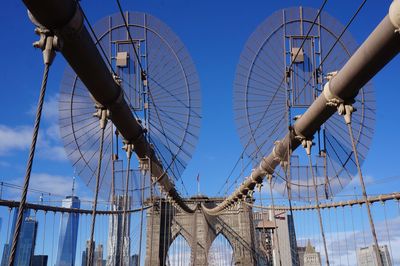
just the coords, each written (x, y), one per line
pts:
(283, 79)
(365, 196)
(94, 212)
(21, 207)
(318, 209)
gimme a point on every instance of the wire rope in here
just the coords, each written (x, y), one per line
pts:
(318, 208)
(94, 212)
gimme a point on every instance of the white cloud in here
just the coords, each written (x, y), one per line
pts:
(55, 184)
(53, 132)
(51, 152)
(14, 139)
(19, 139)
(337, 249)
(50, 108)
(48, 146)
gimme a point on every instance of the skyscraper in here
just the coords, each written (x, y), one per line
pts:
(311, 257)
(26, 243)
(7, 247)
(135, 260)
(300, 252)
(285, 233)
(85, 253)
(98, 256)
(270, 235)
(39, 260)
(114, 244)
(68, 233)
(367, 256)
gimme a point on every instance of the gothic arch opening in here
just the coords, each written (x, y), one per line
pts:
(179, 252)
(221, 252)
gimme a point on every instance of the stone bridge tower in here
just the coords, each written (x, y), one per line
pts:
(165, 223)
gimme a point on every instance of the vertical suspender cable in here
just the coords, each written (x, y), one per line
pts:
(387, 231)
(103, 122)
(345, 236)
(349, 110)
(274, 219)
(128, 148)
(308, 150)
(354, 231)
(143, 177)
(337, 235)
(44, 235)
(288, 175)
(48, 56)
(52, 239)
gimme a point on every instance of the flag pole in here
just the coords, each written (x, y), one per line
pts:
(198, 184)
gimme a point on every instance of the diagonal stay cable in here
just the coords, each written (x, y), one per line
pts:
(130, 36)
(97, 40)
(280, 85)
(335, 43)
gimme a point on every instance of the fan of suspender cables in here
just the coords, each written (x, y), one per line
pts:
(161, 86)
(282, 70)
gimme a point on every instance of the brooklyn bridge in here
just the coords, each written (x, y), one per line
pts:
(101, 119)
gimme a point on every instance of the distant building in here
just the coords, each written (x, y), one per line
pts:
(284, 231)
(98, 256)
(287, 239)
(135, 260)
(85, 253)
(39, 260)
(68, 233)
(7, 246)
(311, 257)
(114, 242)
(84, 258)
(4, 258)
(367, 256)
(26, 243)
(300, 252)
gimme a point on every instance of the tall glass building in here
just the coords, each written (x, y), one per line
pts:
(26, 243)
(68, 233)
(116, 252)
(7, 246)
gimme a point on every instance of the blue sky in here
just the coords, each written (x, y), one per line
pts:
(214, 32)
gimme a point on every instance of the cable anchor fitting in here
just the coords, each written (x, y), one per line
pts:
(345, 108)
(128, 148)
(144, 165)
(307, 145)
(259, 186)
(48, 43)
(103, 115)
(269, 177)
